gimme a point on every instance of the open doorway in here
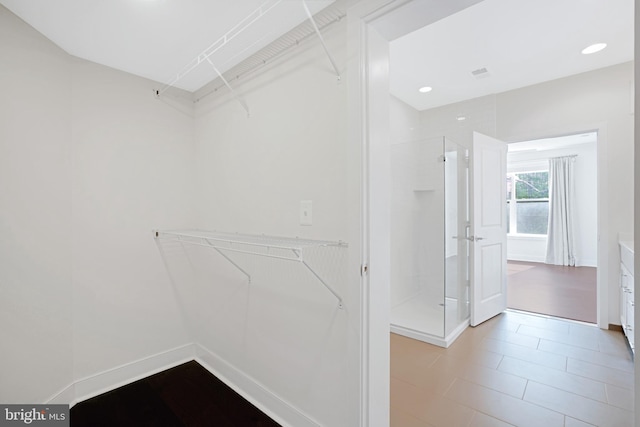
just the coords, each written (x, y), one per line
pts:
(561, 286)
(533, 109)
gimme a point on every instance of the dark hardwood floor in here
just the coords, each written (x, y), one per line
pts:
(187, 395)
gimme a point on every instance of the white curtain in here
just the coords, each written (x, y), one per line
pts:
(560, 235)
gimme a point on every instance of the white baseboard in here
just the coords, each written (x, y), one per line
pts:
(586, 263)
(64, 396)
(428, 338)
(111, 379)
(260, 396)
(526, 258)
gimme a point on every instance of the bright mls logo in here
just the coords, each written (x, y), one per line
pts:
(36, 415)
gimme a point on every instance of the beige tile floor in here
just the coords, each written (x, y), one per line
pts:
(514, 370)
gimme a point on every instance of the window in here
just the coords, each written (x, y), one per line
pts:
(528, 202)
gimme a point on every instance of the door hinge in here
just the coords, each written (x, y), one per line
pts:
(364, 269)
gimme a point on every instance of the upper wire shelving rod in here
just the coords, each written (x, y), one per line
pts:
(221, 42)
(324, 45)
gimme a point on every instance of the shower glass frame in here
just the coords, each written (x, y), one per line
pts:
(429, 248)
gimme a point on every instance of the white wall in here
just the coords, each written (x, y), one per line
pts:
(480, 116)
(526, 248)
(96, 162)
(284, 330)
(90, 163)
(291, 148)
(35, 221)
(598, 100)
(132, 172)
(417, 208)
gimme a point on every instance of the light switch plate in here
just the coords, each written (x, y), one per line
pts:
(306, 212)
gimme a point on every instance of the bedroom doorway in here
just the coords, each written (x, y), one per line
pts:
(536, 284)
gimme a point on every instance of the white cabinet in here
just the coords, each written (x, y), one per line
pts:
(627, 301)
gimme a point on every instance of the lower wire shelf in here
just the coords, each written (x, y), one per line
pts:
(283, 248)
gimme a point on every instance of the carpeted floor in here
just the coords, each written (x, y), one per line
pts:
(568, 292)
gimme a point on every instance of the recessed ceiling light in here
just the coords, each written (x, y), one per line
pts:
(425, 89)
(461, 118)
(593, 48)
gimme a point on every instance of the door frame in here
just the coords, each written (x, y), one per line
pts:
(369, 185)
(602, 248)
(369, 234)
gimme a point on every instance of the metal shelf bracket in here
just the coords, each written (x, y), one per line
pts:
(273, 247)
(324, 45)
(233, 92)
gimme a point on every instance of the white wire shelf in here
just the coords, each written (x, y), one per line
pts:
(283, 248)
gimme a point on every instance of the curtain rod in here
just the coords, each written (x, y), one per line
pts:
(572, 157)
(543, 159)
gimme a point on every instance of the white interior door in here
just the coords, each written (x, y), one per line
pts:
(489, 229)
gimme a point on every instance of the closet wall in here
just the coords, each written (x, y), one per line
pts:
(35, 215)
(254, 171)
(132, 172)
(285, 332)
(90, 163)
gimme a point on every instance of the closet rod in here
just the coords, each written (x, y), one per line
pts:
(324, 45)
(240, 251)
(286, 249)
(257, 61)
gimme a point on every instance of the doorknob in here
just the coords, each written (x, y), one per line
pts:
(477, 238)
(470, 238)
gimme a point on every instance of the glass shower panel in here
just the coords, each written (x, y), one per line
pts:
(456, 258)
(429, 287)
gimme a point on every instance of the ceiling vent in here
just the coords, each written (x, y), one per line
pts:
(481, 73)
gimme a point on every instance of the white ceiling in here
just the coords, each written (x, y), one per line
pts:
(156, 39)
(520, 42)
